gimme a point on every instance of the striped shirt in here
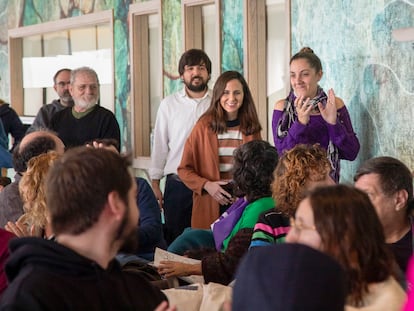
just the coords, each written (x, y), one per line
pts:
(271, 228)
(228, 142)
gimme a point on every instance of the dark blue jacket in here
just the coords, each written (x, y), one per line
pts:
(150, 233)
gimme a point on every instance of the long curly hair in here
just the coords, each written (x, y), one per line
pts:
(32, 189)
(351, 233)
(297, 167)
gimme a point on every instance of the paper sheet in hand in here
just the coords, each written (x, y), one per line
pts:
(161, 255)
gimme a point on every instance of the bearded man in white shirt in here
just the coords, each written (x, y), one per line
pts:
(176, 117)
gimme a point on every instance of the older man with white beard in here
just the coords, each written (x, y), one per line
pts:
(86, 120)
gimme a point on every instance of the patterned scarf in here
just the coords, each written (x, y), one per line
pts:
(290, 115)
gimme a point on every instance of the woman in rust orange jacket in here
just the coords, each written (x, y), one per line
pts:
(205, 167)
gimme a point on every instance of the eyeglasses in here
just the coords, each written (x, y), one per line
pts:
(63, 84)
(300, 226)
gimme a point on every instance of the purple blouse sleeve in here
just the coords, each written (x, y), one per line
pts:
(343, 136)
(296, 134)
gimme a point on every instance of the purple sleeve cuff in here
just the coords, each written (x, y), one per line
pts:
(343, 136)
(296, 134)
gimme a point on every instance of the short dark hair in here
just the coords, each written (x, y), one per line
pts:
(4, 181)
(194, 57)
(78, 184)
(393, 174)
(58, 72)
(39, 145)
(254, 163)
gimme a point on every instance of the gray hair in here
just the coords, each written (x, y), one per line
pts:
(84, 69)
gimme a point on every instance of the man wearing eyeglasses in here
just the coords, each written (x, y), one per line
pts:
(86, 120)
(61, 82)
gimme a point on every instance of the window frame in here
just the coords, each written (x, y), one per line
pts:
(16, 36)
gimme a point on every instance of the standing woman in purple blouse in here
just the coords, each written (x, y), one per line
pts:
(309, 115)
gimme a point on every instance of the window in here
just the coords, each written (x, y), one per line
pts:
(38, 51)
(266, 55)
(202, 31)
(146, 75)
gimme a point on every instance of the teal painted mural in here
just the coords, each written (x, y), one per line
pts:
(371, 71)
(232, 35)
(172, 44)
(122, 70)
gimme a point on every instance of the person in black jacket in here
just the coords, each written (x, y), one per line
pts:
(91, 199)
(11, 123)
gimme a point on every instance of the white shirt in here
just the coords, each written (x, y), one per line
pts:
(176, 117)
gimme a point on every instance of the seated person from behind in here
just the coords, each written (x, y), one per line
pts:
(33, 144)
(91, 197)
(35, 221)
(299, 170)
(254, 163)
(149, 231)
(12, 124)
(265, 282)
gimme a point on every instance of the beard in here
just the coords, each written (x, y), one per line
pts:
(196, 88)
(66, 97)
(86, 104)
(128, 234)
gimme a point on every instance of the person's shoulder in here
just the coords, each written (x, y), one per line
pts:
(105, 113)
(280, 104)
(274, 217)
(202, 125)
(101, 109)
(5, 109)
(57, 116)
(204, 119)
(173, 101)
(57, 112)
(339, 103)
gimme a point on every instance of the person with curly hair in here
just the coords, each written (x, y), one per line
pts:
(341, 222)
(254, 163)
(35, 220)
(299, 169)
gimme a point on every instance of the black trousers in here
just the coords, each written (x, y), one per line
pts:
(178, 205)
